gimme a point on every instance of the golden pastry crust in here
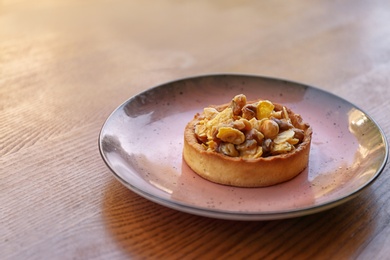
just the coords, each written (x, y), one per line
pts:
(243, 171)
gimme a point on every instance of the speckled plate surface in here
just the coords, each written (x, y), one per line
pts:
(142, 140)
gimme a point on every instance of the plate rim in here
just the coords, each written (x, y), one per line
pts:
(242, 215)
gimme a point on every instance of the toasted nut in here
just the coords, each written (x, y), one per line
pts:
(200, 132)
(299, 134)
(259, 152)
(285, 113)
(242, 124)
(247, 145)
(228, 149)
(212, 133)
(223, 117)
(230, 135)
(267, 146)
(210, 112)
(238, 124)
(212, 145)
(255, 135)
(269, 128)
(237, 103)
(284, 136)
(264, 109)
(293, 141)
(255, 152)
(249, 111)
(276, 114)
(283, 123)
(255, 123)
(282, 148)
(248, 153)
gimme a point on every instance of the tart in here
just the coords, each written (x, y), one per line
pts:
(247, 144)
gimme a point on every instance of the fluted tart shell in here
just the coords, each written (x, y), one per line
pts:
(247, 172)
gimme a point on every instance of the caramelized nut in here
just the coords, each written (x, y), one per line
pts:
(249, 111)
(276, 114)
(242, 124)
(247, 145)
(200, 133)
(264, 109)
(210, 112)
(285, 113)
(283, 123)
(259, 152)
(255, 135)
(299, 134)
(212, 145)
(269, 128)
(267, 146)
(238, 102)
(282, 148)
(284, 136)
(228, 149)
(230, 135)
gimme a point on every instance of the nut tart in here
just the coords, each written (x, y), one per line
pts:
(247, 144)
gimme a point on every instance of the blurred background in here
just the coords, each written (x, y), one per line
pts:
(148, 42)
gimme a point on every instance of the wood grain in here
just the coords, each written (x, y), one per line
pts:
(66, 65)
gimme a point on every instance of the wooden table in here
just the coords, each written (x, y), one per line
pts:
(66, 65)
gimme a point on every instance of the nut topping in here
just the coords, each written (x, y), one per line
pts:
(248, 130)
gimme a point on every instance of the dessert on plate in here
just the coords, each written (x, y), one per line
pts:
(247, 144)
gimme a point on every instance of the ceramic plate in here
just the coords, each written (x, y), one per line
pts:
(142, 140)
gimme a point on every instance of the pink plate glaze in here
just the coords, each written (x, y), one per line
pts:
(142, 142)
